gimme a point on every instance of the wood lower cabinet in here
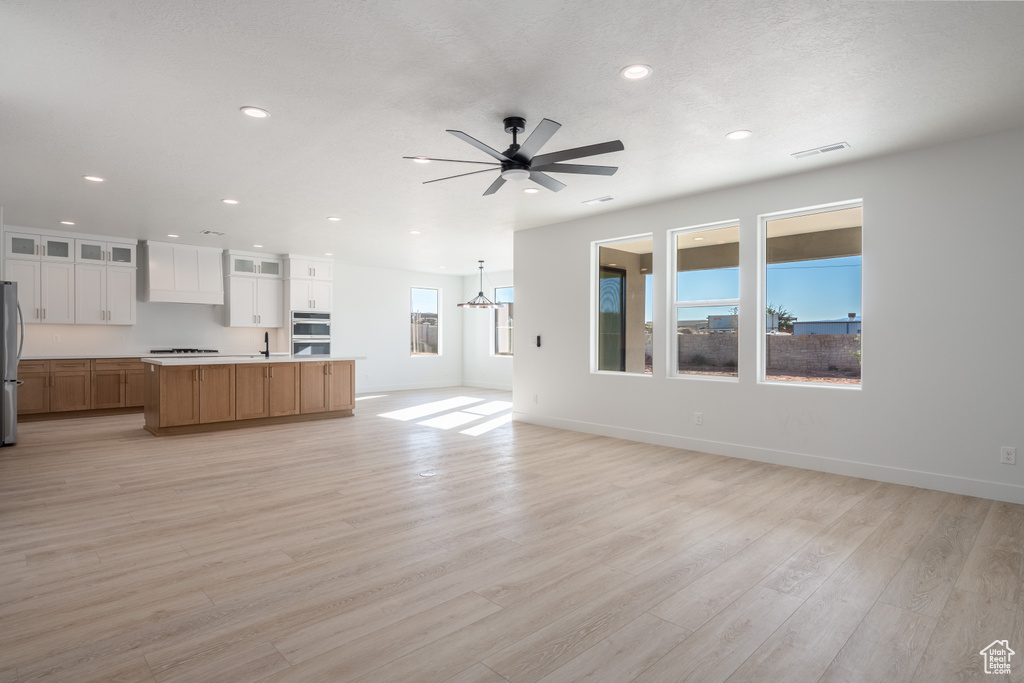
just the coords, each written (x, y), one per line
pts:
(342, 380)
(327, 386)
(34, 391)
(116, 383)
(270, 390)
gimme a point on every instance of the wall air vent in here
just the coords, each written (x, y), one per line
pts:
(212, 232)
(835, 147)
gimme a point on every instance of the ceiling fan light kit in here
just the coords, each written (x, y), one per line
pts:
(481, 301)
(521, 162)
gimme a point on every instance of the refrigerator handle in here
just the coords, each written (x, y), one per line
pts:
(21, 319)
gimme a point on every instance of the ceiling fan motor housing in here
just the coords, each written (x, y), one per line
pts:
(515, 124)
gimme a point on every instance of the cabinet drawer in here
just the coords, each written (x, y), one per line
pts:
(69, 365)
(117, 364)
(33, 366)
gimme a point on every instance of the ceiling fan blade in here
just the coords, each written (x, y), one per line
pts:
(435, 180)
(479, 145)
(577, 152)
(546, 181)
(576, 168)
(454, 161)
(540, 135)
(495, 186)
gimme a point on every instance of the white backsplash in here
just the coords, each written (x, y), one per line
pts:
(160, 325)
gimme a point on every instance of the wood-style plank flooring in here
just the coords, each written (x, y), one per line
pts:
(318, 552)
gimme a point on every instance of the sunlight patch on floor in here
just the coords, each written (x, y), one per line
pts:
(484, 427)
(432, 408)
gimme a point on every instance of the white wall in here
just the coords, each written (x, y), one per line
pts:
(371, 318)
(480, 367)
(943, 374)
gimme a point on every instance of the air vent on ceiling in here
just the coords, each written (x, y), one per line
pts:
(598, 200)
(835, 147)
(212, 232)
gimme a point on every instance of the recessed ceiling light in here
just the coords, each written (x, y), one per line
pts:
(327, 253)
(67, 222)
(255, 112)
(738, 135)
(421, 160)
(698, 239)
(258, 246)
(531, 190)
(171, 235)
(636, 71)
(94, 178)
(613, 264)
(414, 232)
(333, 218)
(230, 201)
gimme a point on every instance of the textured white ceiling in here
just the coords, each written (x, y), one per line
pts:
(146, 94)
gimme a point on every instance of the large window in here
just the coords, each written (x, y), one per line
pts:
(707, 299)
(426, 321)
(503, 321)
(812, 295)
(625, 291)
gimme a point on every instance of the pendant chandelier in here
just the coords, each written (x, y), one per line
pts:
(481, 301)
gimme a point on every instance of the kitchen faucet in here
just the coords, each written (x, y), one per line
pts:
(266, 343)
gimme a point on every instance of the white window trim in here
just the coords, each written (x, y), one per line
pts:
(595, 267)
(672, 362)
(762, 291)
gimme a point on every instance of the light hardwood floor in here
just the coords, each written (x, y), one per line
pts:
(318, 552)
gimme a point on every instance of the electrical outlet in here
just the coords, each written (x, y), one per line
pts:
(698, 418)
(1008, 455)
(535, 398)
(56, 339)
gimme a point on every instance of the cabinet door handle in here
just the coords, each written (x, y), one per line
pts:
(44, 250)
(44, 314)
(271, 373)
(38, 316)
(202, 375)
(195, 375)
(108, 314)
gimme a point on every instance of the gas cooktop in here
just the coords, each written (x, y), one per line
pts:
(184, 351)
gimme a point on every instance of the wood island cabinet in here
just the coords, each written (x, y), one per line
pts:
(327, 386)
(181, 399)
(191, 394)
(269, 390)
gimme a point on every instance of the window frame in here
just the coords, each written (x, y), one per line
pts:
(595, 294)
(412, 354)
(675, 304)
(494, 326)
(762, 289)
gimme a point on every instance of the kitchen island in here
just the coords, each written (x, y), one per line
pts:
(184, 395)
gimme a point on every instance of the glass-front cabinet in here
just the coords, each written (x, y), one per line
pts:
(39, 247)
(254, 265)
(105, 253)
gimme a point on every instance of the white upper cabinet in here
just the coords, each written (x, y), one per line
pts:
(250, 264)
(310, 295)
(39, 247)
(255, 302)
(306, 268)
(104, 296)
(46, 291)
(104, 253)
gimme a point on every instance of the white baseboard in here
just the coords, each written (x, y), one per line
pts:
(487, 385)
(895, 475)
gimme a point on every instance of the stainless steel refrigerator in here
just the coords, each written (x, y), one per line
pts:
(10, 353)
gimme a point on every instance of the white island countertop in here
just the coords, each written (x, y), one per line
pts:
(217, 359)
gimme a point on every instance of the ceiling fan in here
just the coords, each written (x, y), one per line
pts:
(520, 162)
